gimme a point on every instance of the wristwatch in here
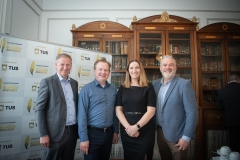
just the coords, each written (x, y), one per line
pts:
(138, 126)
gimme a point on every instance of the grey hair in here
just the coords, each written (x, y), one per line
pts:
(167, 56)
(65, 55)
(234, 77)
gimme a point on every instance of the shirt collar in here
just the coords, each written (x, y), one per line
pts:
(169, 81)
(61, 78)
(98, 84)
(233, 81)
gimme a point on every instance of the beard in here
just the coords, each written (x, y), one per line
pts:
(169, 75)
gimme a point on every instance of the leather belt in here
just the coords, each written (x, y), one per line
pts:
(101, 129)
(133, 113)
(159, 126)
(70, 126)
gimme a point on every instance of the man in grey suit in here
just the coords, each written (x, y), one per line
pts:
(56, 112)
(176, 112)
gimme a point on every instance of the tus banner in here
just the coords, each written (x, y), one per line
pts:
(23, 64)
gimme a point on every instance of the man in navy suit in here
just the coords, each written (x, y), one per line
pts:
(176, 112)
(229, 99)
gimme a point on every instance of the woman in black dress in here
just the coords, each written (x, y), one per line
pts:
(135, 108)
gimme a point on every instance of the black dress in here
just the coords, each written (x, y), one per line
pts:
(136, 99)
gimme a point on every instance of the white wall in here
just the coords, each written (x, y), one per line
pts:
(51, 20)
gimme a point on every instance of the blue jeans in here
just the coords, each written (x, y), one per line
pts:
(100, 145)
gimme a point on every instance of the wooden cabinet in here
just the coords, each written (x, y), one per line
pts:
(218, 47)
(205, 57)
(165, 34)
(108, 37)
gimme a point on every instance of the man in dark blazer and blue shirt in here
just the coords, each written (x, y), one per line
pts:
(176, 112)
(56, 112)
(229, 100)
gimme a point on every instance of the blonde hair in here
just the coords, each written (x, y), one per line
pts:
(143, 81)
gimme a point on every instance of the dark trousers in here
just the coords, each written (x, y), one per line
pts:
(100, 145)
(234, 138)
(65, 148)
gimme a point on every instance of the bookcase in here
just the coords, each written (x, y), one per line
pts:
(164, 34)
(218, 47)
(206, 57)
(109, 37)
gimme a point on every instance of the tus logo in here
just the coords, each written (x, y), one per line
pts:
(1, 107)
(10, 107)
(13, 67)
(31, 125)
(85, 58)
(5, 67)
(39, 51)
(6, 146)
(34, 88)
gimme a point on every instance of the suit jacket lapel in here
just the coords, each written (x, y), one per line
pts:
(57, 85)
(158, 85)
(73, 89)
(170, 89)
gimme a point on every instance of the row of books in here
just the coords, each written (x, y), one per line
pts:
(152, 76)
(186, 76)
(212, 83)
(208, 98)
(117, 47)
(184, 62)
(235, 67)
(151, 49)
(90, 46)
(117, 79)
(173, 48)
(211, 50)
(212, 66)
(149, 61)
(234, 51)
(119, 63)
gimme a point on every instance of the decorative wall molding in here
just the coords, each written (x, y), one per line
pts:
(36, 12)
(49, 20)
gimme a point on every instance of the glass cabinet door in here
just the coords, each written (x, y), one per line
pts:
(212, 71)
(234, 57)
(180, 49)
(91, 45)
(151, 47)
(119, 51)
